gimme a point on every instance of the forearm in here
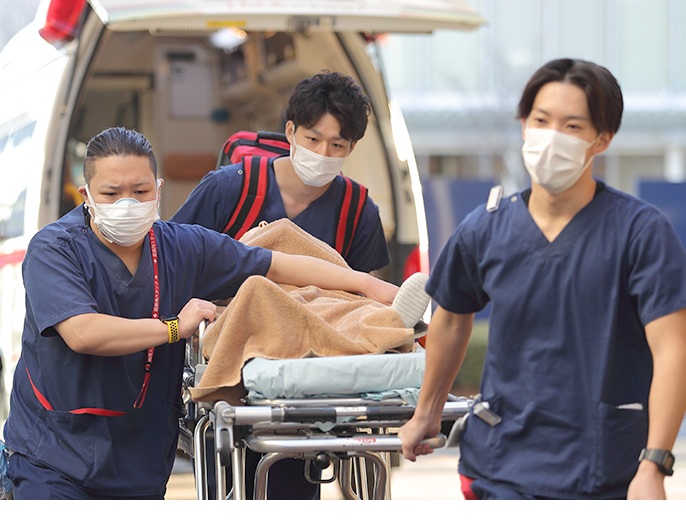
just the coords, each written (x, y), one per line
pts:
(666, 406)
(667, 400)
(304, 270)
(109, 336)
(446, 347)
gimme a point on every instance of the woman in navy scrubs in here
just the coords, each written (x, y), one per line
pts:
(587, 335)
(111, 292)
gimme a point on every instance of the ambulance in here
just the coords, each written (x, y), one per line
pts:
(188, 74)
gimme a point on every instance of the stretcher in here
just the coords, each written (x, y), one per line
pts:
(351, 434)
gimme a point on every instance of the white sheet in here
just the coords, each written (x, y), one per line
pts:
(369, 376)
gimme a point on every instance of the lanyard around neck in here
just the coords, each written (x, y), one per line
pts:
(148, 365)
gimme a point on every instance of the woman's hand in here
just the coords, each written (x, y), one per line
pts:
(194, 312)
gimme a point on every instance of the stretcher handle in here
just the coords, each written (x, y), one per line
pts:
(249, 415)
(305, 414)
(316, 444)
(194, 356)
(201, 333)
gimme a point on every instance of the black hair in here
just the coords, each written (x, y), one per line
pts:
(603, 94)
(117, 141)
(333, 93)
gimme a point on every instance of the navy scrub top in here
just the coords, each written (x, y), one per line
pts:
(213, 200)
(568, 367)
(68, 271)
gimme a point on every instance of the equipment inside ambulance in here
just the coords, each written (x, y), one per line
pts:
(188, 74)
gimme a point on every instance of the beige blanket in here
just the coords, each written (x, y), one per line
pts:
(285, 322)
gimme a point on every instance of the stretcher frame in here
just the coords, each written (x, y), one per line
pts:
(357, 443)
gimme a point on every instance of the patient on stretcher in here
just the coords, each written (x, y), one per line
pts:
(275, 321)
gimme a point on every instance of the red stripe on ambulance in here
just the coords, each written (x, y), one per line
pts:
(12, 258)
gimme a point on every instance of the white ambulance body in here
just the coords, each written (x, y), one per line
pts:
(188, 74)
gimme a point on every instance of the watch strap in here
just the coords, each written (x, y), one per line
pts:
(663, 459)
(173, 328)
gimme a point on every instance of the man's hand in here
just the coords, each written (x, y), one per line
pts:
(412, 434)
(647, 484)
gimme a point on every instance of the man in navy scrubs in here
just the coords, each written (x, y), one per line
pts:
(587, 337)
(111, 292)
(326, 116)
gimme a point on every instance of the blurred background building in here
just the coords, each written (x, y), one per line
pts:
(459, 93)
(459, 90)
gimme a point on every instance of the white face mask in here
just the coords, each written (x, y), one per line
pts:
(555, 160)
(126, 221)
(315, 169)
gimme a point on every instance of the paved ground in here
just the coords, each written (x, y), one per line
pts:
(432, 477)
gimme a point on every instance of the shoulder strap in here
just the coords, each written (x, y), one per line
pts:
(354, 199)
(253, 194)
(254, 190)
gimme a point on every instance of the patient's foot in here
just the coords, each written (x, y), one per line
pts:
(412, 300)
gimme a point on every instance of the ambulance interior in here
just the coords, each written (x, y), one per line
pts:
(188, 93)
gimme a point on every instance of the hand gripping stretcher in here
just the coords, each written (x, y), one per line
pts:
(354, 434)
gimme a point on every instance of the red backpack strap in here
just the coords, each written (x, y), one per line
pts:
(354, 199)
(254, 190)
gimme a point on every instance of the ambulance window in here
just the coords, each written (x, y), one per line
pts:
(13, 147)
(17, 137)
(13, 226)
(23, 134)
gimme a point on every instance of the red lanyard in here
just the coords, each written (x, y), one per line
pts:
(146, 380)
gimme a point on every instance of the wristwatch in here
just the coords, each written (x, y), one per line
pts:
(662, 458)
(173, 325)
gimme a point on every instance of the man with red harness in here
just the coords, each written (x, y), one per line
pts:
(325, 118)
(111, 292)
